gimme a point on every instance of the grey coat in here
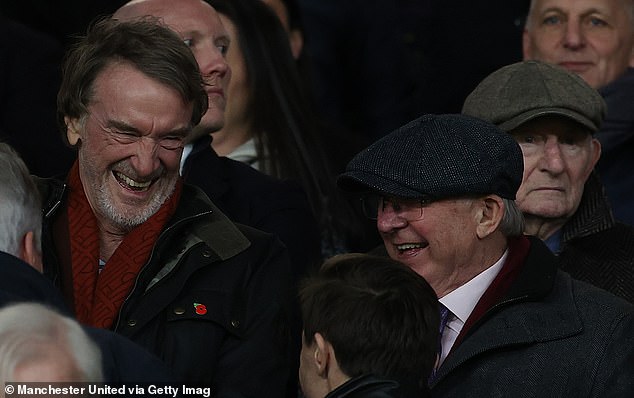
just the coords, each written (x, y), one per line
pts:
(551, 336)
(597, 249)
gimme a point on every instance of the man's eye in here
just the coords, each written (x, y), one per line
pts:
(551, 20)
(223, 48)
(188, 42)
(570, 141)
(172, 142)
(526, 139)
(594, 21)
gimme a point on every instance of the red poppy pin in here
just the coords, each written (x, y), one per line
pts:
(200, 308)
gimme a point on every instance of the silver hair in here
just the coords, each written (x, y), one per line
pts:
(27, 328)
(512, 223)
(21, 209)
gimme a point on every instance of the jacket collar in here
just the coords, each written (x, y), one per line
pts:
(507, 324)
(537, 276)
(53, 192)
(209, 224)
(593, 214)
(370, 386)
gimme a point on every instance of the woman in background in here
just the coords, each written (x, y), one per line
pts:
(270, 122)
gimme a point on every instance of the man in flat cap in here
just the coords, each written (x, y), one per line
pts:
(442, 190)
(595, 40)
(553, 114)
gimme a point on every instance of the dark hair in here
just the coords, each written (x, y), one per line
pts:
(152, 48)
(294, 15)
(282, 114)
(380, 316)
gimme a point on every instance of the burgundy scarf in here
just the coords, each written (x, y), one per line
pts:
(518, 250)
(98, 296)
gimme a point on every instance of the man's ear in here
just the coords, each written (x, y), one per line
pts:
(489, 215)
(595, 148)
(322, 355)
(73, 130)
(29, 252)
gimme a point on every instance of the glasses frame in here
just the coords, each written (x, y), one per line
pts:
(407, 209)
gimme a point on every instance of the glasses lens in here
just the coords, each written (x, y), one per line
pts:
(414, 211)
(408, 209)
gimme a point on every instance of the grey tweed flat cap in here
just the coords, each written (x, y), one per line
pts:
(520, 92)
(438, 156)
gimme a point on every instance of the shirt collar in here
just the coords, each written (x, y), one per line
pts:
(554, 242)
(463, 300)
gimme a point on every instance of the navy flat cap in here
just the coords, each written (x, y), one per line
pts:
(438, 156)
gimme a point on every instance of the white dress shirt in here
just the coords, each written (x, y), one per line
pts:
(462, 301)
(187, 149)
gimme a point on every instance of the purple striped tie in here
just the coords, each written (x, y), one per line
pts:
(444, 315)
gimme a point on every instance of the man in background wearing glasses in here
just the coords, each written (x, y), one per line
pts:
(555, 116)
(442, 190)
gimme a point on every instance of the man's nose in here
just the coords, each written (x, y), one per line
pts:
(145, 159)
(389, 220)
(211, 61)
(574, 37)
(552, 157)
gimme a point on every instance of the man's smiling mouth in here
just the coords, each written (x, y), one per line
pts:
(131, 184)
(411, 246)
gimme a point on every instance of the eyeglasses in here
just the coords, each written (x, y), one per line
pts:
(408, 209)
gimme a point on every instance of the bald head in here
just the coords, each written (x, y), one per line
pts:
(200, 27)
(163, 9)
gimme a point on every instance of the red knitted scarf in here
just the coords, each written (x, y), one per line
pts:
(99, 296)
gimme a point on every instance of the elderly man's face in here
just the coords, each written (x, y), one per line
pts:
(593, 38)
(439, 246)
(130, 145)
(559, 156)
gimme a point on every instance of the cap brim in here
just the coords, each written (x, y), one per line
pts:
(361, 182)
(535, 113)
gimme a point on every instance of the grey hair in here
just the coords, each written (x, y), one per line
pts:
(27, 327)
(21, 209)
(512, 223)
